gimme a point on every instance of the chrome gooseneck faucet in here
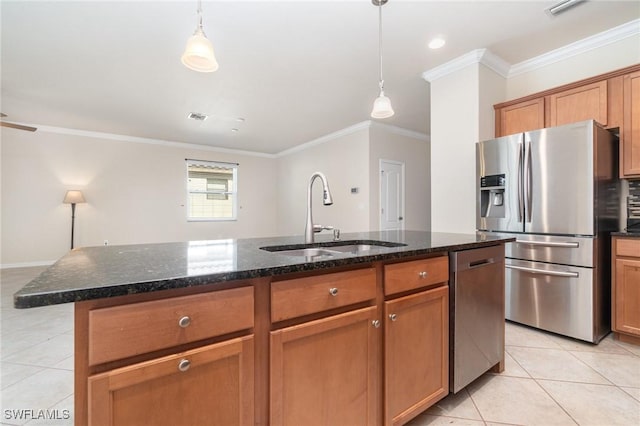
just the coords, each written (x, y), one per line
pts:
(310, 228)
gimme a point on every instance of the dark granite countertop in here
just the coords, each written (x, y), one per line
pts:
(108, 271)
(626, 234)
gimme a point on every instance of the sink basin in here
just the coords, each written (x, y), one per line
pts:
(308, 252)
(331, 248)
(354, 248)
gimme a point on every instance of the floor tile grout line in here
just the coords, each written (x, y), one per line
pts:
(558, 403)
(519, 365)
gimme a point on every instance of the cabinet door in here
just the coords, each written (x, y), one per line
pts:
(581, 103)
(209, 385)
(416, 366)
(323, 372)
(630, 138)
(520, 117)
(627, 296)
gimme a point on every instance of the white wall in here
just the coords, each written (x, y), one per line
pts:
(343, 160)
(135, 194)
(415, 154)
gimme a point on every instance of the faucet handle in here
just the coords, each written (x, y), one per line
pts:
(320, 228)
(336, 234)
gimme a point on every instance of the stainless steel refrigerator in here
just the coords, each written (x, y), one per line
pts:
(556, 191)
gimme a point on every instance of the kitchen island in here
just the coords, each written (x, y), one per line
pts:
(223, 332)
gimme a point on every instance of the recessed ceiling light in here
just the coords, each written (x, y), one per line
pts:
(436, 43)
(240, 120)
(234, 130)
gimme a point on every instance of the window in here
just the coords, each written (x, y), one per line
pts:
(212, 190)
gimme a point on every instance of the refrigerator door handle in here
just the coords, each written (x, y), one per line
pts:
(520, 196)
(543, 271)
(549, 243)
(527, 180)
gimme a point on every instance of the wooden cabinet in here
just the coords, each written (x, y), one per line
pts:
(324, 372)
(625, 288)
(581, 103)
(611, 99)
(416, 349)
(630, 137)
(183, 360)
(209, 385)
(416, 337)
(520, 117)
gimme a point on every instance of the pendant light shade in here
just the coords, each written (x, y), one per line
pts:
(382, 105)
(198, 54)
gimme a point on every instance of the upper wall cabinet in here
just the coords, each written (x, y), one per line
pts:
(520, 117)
(612, 99)
(578, 104)
(630, 137)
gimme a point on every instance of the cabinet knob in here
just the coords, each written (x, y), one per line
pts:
(333, 291)
(376, 323)
(184, 365)
(393, 317)
(422, 274)
(184, 321)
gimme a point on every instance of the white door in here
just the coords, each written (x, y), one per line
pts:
(391, 195)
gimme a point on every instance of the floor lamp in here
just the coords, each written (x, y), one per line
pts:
(73, 197)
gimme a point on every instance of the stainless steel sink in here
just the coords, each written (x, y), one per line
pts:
(331, 248)
(354, 248)
(308, 252)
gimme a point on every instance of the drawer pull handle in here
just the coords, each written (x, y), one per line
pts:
(333, 291)
(184, 365)
(393, 317)
(375, 323)
(184, 321)
(422, 274)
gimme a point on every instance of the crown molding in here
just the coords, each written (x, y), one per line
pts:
(326, 138)
(595, 41)
(150, 141)
(400, 131)
(353, 129)
(478, 56)
(499, 65)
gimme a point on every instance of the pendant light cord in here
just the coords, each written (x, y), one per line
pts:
(200, 15)
(380, 43)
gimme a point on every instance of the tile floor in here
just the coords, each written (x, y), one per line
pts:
(548, 380)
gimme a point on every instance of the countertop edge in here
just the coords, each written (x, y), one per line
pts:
(25, 299)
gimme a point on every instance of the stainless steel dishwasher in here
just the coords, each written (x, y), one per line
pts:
(476, 323)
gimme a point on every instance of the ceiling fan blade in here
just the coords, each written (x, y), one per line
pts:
(18, 126)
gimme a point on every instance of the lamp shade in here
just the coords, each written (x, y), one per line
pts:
(73, 197)
(198, 55)
(382, 107)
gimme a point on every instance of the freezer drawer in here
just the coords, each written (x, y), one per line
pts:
(555, 298)
(564, 250)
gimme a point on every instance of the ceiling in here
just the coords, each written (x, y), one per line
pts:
(293, 70)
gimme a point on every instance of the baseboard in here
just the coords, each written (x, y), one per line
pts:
(27, 264)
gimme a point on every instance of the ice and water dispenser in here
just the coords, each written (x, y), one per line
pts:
(492, 202)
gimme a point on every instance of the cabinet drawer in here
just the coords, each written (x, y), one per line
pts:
(123, 331)
(303, 296)
(628, 247)
(405, 276)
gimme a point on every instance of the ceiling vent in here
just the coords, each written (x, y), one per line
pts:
(197, 116)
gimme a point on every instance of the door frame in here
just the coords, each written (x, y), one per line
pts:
(381, 161)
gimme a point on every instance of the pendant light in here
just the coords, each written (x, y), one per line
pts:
(382, 104)
(198, 55)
